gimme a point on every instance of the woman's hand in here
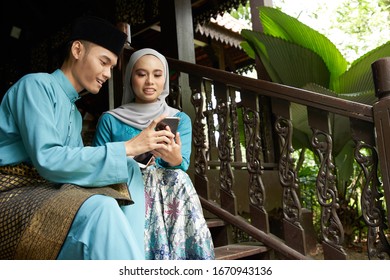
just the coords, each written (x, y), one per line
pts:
(171, 153)
(149, 139)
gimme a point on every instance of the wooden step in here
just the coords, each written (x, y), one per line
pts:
(239, 251)
(215, 222)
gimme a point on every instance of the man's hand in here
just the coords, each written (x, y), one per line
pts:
(149, 139)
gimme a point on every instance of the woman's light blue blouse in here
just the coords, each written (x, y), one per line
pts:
(110, 129)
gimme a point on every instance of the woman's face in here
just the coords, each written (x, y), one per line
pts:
(148, 79)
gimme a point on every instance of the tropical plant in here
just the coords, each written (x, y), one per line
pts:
(294, 54)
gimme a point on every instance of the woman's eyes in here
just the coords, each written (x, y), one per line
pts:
(139, 74)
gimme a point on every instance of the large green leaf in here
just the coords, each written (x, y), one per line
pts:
(278, 24)
(287, 63)
(296, 41)
(253, 46)
(359, 78)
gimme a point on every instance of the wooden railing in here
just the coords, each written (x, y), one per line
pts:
(244, 169)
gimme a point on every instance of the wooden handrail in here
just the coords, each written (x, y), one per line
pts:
(312, 99)
(221, 98)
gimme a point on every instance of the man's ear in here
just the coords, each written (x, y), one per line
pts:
(76, 49)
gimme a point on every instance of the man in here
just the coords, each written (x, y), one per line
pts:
(59, 199)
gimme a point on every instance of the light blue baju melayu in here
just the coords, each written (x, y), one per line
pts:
(40, 125)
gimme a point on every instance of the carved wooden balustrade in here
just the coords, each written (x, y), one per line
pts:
(243, 158)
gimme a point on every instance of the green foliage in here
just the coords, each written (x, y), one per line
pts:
(306, 174)
(354, 26)
(294, 54)
(242, 13)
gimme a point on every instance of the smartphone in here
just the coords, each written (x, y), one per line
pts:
(144, 159)
(172, 122)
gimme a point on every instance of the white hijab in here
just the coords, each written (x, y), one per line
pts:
(139, 115)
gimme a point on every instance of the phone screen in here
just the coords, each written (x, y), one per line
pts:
(143, 159)
(172, 122)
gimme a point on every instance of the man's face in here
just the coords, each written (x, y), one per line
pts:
(93, 67)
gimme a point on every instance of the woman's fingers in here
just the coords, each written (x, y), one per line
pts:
(154, 123)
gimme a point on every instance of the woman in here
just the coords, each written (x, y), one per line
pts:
(175, 227)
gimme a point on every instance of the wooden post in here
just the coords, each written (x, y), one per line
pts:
(256, 26)
(381, 75)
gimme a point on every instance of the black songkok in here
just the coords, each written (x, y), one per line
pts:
(100, 32)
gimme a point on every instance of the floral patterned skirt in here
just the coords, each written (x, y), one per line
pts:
(175, 228)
